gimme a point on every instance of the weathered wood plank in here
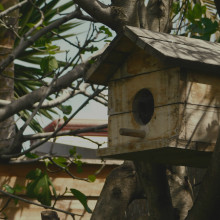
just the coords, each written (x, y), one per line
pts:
(202, 123)
(191, 42)
(202, 89)
(165, 155)
(163, 124)
(174, 50)
(182, 52)
(103, 68)
(164, 86)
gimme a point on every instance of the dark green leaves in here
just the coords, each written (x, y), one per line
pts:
(13, 190)
(48, 64)
(82, 198)
(176, 7)
(92, 178)
(2, 7)
(31, 155)
(61, 161)
(105, 30)
(39, 187)
(195, 13)
(200, 27)
(66, 109)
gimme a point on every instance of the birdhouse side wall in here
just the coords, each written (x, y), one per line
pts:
(200, 109)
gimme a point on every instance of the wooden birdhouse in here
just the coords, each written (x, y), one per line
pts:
(164, 97)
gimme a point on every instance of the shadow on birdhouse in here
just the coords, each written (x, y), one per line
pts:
(164, 97)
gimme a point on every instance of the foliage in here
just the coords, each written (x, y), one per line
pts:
(39, 187)
(195, 20)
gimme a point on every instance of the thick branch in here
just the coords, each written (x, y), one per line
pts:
(121, 187)
(207, 202)
(155, 183)
(30, 99)
(48, 104)
(14, 7)
(97, 10)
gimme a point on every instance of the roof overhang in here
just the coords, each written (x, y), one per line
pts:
(176, 50)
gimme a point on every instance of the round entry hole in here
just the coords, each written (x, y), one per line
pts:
(143, 106)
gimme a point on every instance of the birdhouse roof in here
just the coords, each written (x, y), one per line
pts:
(176, 50)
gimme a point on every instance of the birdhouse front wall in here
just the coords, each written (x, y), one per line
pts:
(186, 106)
(142, 71)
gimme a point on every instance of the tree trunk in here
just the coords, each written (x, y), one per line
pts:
(7, 38)
(121, 187)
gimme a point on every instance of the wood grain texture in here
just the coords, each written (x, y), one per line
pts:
(164, 86)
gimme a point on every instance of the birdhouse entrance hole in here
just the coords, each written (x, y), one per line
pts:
(143, 106)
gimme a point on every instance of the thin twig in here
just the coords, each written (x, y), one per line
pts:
(14, 7)
(64, 133)
(37, 204)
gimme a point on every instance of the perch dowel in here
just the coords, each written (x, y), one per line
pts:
(132, 132)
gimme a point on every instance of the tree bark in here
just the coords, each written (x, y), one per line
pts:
(7, 38)
(121, 187)
(217, 4)
(154, 180)
(206, 205)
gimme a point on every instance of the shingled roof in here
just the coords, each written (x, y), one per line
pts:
(176, 50)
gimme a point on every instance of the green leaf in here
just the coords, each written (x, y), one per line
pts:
(175, 7)
(65, 118)
(18, 188)
(72, 151)
(39, 188)
(82, 198)
(198, 11)
(61, 161)
(105, 30)
(31, 155)
(48, 64)
(33, 174)
(9, 189)
(66, 109)
(210, 27)
(92, 178)
(1, 7)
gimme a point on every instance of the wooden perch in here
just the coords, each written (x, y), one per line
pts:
(132, 132)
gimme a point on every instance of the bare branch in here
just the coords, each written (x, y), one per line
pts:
(4, 102)
(66, 95)
(97, 10)
(67, 171)
(37, 204)
(14, 7)
(34, 146)
(64, 133)
(30, 99)
(47, 104)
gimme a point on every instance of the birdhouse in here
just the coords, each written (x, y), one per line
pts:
(164, 97)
